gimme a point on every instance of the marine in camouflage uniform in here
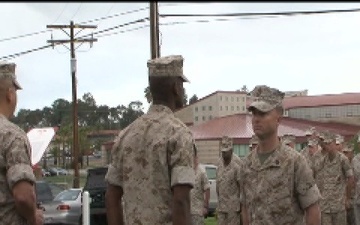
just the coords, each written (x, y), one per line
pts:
(356, 167)
(350, 217)
(289, 140)
(153, 156)
(228, 185)
(277, 186)
(15, 164)
(199, 195)
(309, 152)
(333, 173)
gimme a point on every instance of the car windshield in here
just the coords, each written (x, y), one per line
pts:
(211, 173)
(67, 195)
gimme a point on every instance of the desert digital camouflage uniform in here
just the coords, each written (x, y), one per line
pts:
(15, 165)
(197, 196)
(150, 156)
(356, 167)
(331, 179)
(277, 191)
(306, 152)
(228, 187)
(289, 139)
(350, 217)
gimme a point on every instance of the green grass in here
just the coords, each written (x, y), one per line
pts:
(210, 221)
(65, 180)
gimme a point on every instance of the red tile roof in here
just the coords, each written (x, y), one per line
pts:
(319, 100)
(239, 127)
(322, 100)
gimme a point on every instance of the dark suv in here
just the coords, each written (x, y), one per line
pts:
(96, 186)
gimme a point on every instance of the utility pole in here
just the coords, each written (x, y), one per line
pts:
(154, 30)
(72, 40)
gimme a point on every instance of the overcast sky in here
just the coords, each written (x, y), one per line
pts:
(320, 52)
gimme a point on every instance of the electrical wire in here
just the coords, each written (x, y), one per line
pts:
(24, 35)
(77, 10)
(89, 21)
(237, 15)
(116, 15)
(99, 32)
(26, 52)
(118, 26)
(123, 31)
(285, 13)
(62, 11)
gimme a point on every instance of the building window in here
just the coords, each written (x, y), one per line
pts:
(220, 108)
(327, 115)
(210, 108)
(232, 108)
(203, 118)
(243, 99)
(226, 108)
(226, 98)
(196, 109)
(349, 114)
(196, 118)
(204, 108)
(238, 108)
(220, 98)
(243, 108)
(210, 117)
(232, 99)
(237, 99)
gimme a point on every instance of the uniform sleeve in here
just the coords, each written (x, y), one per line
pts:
(356, 166)
(114, 175)
(305, 186)
(205, 181)
(180, 157)
(18, 162)
(346, 166)
(241, 181)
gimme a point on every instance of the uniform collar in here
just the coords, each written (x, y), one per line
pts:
(274, 160)
(159, 108)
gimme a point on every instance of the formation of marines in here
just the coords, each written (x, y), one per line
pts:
(156, 174)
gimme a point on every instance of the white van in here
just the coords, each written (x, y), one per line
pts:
(211, 174)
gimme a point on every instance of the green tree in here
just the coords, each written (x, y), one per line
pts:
(131, 113)
(193, 99)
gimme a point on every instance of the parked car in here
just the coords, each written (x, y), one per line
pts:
(62, 171)
(46, 191)
(211, 174)
(65, 209)
(45, 173)
(54, 171)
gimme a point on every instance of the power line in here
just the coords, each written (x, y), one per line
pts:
(24, 35)
(118, 26)
(77, 10)
(99, 32)
(89, 21)
(285, 13)
(62, 11)
(124, 31)
(25, 52)
(116, 15)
